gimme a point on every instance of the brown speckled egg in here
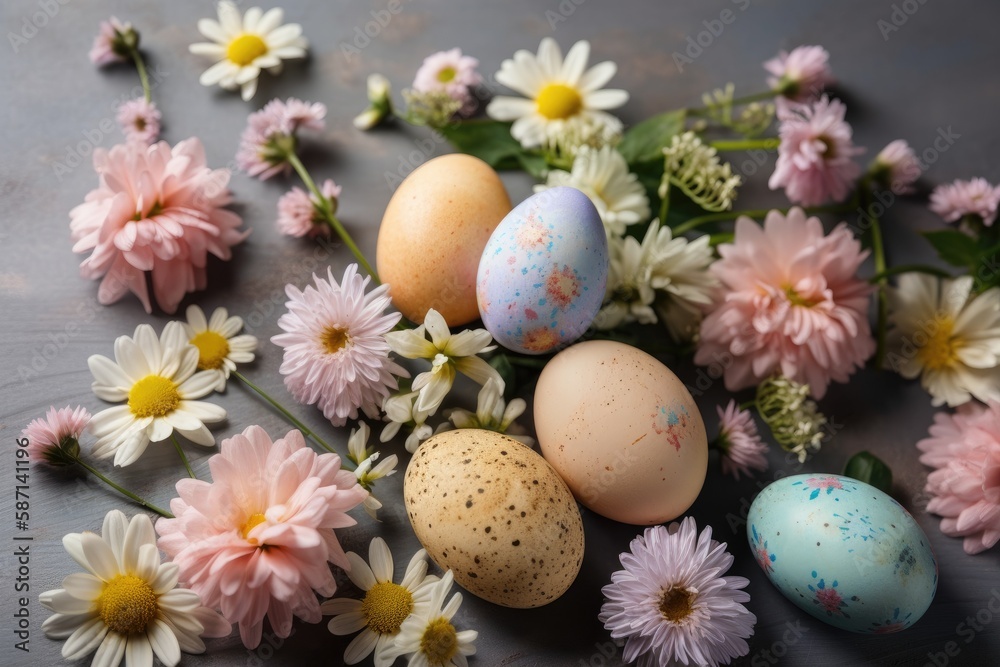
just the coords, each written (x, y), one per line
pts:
(433, 234)
(495, 513)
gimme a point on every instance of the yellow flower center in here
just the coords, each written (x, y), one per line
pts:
(254, 521)
(213, 348)
(797, 299)
(153, 396)
(675, 604)
(334, 339)
(447, 74)
(127, 604)
(386, 606)
(558, 101)
(245, 49)
(440, 642)
(941, 349)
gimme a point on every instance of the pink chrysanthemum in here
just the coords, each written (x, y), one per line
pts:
(156, 209)
(956, 200)
(270, 135)
(54, 439)
(800, 75)
(964, 449)
(298, 214)
(257, 539)
(452, 73)
(109, 45)
(741, 446)
(897, 167)
(140, 121)
(793, 305)
(336, 355)
(815, 157)
(670, 603)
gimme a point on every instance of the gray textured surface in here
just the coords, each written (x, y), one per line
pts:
(936, 71)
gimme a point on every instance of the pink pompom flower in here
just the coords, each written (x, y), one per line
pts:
(156, 209)
(815, 157)
(793, 304)
(896, 167)
(964, 450)
(801, 74)
(55, 439)
(452, 73)
(140, 121)
(741, 446)
(299, 214)
(114, 43)
(256, 540)
(271, 136)
(958, 199)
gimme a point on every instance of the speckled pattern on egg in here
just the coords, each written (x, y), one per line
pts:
(496, 514)
(543, 272)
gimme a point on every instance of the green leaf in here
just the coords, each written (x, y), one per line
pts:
(955, 247)
(501, 362)
(644, 142)
(488, 140)
(868, 468)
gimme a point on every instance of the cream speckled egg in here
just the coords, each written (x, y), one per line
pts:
(495, 513)
(433, 234)
(623, 432)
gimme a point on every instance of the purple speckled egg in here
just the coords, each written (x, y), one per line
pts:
(543, 272)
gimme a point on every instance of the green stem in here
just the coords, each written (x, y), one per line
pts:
(665, 202)
(767, 144)
(746, 405)
(528, 362)
(739, 101)
(754, 213)
(324, 206)
(184, 459)
(143, 76)
(878, 256)
(909, 268)
(125, 492)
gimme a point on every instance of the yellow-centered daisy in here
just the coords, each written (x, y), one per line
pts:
(429, 638)
(219, 346)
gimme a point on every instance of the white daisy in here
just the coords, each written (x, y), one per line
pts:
(947, 336)
(385, 605)
(400, 411)
(447, 353)
(245, 45)
(492, 414)
(561, 93)
(603, 175)
(219, 348)
(428, 636)
(127, 604)
(158, 383)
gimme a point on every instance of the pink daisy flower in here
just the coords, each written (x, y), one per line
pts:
(156, 209)
(298, 212)
(741, 446)
(113, 42)
(956, 200)
(670, 602)
(897, 167)
(336, 355)
(140, 121)
(793, 306)
(800, 75)
(815, 157)
(452, 73)
(256, 540)
(964, 450)
(271, 135)
(55, 438)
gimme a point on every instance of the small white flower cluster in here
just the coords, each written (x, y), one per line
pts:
(794, 419)
(695, 168)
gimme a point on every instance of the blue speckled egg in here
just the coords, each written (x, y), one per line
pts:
(543, 272)
(843, 551)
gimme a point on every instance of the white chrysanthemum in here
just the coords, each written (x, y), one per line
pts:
(127, 604)
(492, 413)
(603, 175)
(428, 636)
(560, 92)
(385, 605)
(245, 45)
(673, 269)
(947, 336)
(158, 381)
(219, 348)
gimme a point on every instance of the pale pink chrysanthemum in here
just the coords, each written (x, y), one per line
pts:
(954, 201)
(256, 540)
(452, 73)
(897, 167)
(54, 439)
(298, 212)
(741, 446)
(670, 603)
(139, 120)
(336, 355)
(964, 449)
(271, 135)
(793, 304)
(815, 156)
(800, 75)
(109, 45)
(156, 209)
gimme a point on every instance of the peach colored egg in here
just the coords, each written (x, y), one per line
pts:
(433, 234)
(622, 431)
